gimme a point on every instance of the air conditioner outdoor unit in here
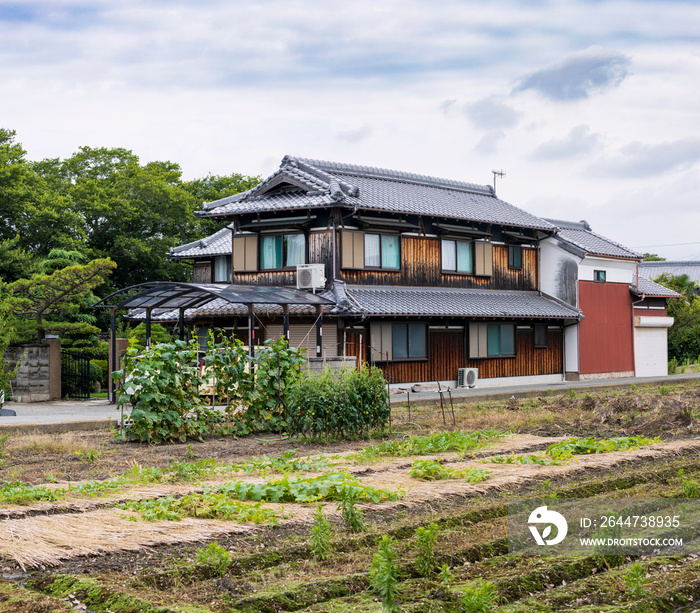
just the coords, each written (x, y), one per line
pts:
(467, 377)
(311, 276)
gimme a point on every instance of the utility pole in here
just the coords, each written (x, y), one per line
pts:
(497, 173)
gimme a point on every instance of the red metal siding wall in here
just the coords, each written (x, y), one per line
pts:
(650, 313)
(605, 335)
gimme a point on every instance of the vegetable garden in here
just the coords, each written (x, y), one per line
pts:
(415, 521)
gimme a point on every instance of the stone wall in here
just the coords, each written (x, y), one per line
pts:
(35, 380)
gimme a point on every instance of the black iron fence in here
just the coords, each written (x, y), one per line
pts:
(75, 375)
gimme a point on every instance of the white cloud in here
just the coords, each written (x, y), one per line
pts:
(491, 114)
(579, 141)
(637, 160)
(578, 76)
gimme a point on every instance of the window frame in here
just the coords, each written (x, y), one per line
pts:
(408, 357)
(600, 276)
(382, 236)
(382, 341)
(512, 251)
(282, 236)
(229, 269)
(479, 340)
(541, 344)
(471, 246)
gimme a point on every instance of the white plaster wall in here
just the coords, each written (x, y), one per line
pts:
(553, 265)
(616, 271)
(571, 348)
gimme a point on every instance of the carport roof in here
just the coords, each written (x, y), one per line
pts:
(170, 295)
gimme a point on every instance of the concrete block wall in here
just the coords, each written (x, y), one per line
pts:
(39, 375)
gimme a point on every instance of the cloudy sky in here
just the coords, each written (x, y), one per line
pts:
(591, 107)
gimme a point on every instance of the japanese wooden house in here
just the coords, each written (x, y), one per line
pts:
(428, 276)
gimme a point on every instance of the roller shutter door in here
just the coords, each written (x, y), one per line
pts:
(304, 336)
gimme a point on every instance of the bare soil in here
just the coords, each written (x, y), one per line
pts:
(272, 569)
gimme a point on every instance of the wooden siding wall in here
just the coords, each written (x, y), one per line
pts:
(201, 273)
(420, 266)
(320, 252)
(447, 355)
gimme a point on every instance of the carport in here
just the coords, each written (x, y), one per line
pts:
(171, 296)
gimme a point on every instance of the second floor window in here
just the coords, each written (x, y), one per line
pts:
(457, 256)
(222, 269)
(382, 251)
(282, 251)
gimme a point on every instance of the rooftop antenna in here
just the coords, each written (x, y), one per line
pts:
(497, 173)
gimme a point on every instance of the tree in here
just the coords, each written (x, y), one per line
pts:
(653, 257)
(15, 262)
(58, 294)
(684, 335)
(7, 332)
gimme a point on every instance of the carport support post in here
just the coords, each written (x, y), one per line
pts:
(148, 327)
(251, 330)
(181, 323)
(285, 324)
(113, 329)
(319, 331)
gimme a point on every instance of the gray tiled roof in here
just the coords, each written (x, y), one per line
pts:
(424, 301)
(675, 268)
(218, 243)
(581, 235)
(323, 184)
(647, 287)
(400, 301)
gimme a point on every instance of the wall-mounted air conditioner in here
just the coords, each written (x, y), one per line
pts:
(311, 276)
(467, 377)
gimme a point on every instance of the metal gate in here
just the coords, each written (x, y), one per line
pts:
(75, 375)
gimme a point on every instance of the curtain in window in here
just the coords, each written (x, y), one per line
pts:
(295, 249)
(390, 252)
(221, 269)
(372, 250)
(270, 252)
(465, 261)
(449, 261)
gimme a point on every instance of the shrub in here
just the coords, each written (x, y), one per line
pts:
(321, 533)
(427, 537)
(214, 559)
(339, 403)
(385, 574)
(95, 372)
(104, 366)
(480, 599)
(162, 387)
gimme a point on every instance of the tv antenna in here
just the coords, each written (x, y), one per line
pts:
(497, 173)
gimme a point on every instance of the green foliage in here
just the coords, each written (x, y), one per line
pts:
(352, 516)
(343, 403)
(684, 335)
(385, 574)
(432, 470)
(159, 334)
(591, 444)
(209, 505)
(446, 576)
(17, 492)
(691, 488)
(58, 295)
(214, 559)
(321, 534)
(481, 598)
(257, 397)
(425, 561)
(673, 366)
(331, 486)
(433, 443)
(636, 578)
(663, 390)
(652, 257)
(162, 387)
(521, 459)
(7, 332)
